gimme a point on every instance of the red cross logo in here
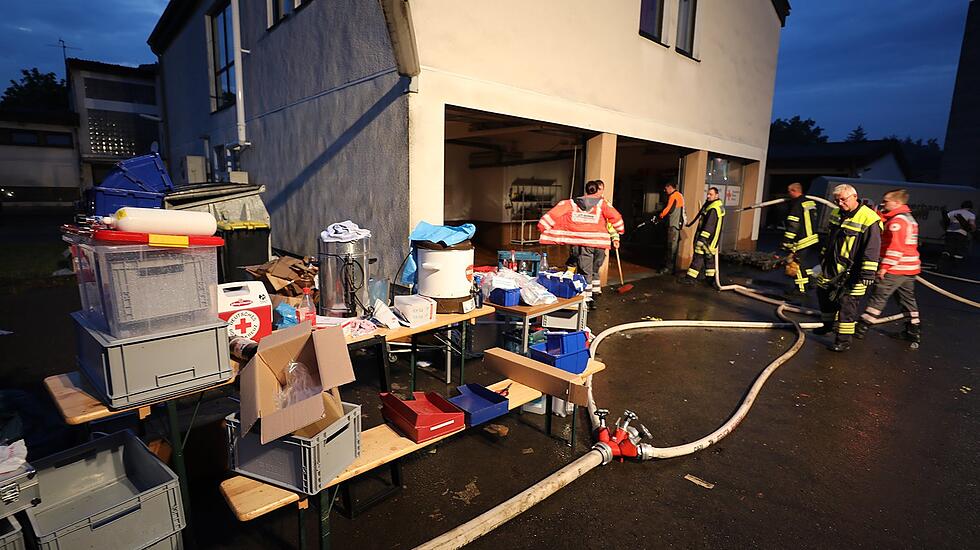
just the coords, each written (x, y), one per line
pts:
(243, 326)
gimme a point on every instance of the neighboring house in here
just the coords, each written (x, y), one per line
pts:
(38, 159)
(961, 161)
(118, 112)
(393, 112)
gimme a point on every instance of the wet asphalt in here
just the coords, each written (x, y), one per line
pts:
(875, 448)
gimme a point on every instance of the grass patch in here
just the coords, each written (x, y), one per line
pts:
(21, 262)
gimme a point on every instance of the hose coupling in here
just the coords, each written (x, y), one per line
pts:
(605, 450)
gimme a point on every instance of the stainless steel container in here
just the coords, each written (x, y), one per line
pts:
(343, 278)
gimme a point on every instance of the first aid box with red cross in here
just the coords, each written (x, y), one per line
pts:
(247, 308)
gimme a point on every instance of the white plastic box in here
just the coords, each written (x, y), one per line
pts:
(132, 290)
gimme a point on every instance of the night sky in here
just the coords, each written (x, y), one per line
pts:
(888, 65)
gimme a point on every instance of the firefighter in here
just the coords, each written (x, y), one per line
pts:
(706, 240)
(800, 238)
(581, 223)
(673, 215)
(899, 266)
(848, 265)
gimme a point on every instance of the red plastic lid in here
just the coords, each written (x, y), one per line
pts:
(175, 241)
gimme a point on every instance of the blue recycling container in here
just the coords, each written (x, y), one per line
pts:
(139, 181)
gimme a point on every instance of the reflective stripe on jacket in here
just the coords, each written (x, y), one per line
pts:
(853, 244)
(900, 242)
(566, 223)
(709, 230)
(800, 232)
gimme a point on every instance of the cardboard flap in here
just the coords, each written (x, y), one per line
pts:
(249, 394)
(283, 346)
(533, 374)
(292, 418)
(332, 357)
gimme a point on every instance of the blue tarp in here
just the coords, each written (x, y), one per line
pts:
(443, 234)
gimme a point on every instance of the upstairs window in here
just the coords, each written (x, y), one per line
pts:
(686, 15)
(222, 57)
(652, 19)
(278, 10)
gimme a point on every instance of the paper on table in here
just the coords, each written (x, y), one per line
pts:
(12, 456)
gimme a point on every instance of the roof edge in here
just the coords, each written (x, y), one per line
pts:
(782, 10)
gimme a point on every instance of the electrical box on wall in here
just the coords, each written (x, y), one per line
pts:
(195, 169)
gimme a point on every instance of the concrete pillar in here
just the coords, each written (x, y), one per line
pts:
(748, 222)
(600, 164)
(692, 187)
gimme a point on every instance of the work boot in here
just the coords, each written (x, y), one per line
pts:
(826, 329)
(591, 305)
(860, 330)
(912, 334)
(840, 346)
(687, 281)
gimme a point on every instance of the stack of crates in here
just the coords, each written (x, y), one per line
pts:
(149, 325)
(139, 181)
(19, 491)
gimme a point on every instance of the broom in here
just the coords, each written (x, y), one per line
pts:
(623, 287)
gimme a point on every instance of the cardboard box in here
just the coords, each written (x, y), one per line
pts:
(533, 374)
(247, 308)
(417, 310)
(323, 350)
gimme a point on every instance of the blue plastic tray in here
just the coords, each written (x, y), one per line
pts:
(145, 173)
(479, 403)
(106, 200)
(562, 287)
(574, 362)
(505, 297)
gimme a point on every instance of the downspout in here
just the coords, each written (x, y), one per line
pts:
(236, 37)
(398, 18)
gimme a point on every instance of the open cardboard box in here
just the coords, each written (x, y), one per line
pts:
(533, 374)
(324, 351)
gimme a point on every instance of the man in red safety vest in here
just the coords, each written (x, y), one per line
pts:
(582, 224)
(898, 268)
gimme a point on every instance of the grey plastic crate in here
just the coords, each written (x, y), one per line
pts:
(305, 461)
(19, 490)
(11, 536)
(173, 542)
(111, 493)
(133, 371)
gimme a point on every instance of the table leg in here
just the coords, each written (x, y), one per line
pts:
(527, 334)
(449, 355)
(301, 514)
(462, 350)
(325, 504)
(384, 367)
(548, 406)
(411, 361)
(582, 313)
(574, 414)
(177, 442)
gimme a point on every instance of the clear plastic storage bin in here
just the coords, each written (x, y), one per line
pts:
(137, 289)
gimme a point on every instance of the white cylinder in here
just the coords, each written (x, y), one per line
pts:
(445, 273)
(162, 222)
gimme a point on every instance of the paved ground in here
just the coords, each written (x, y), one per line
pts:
(877, 448)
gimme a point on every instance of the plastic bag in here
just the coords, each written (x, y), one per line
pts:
(299, 385)
(534, 294)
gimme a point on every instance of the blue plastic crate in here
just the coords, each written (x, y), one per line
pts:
(562, 287)
(105, 201)
(145, 173)
(559, 343)
(574, 362)
(505, 297)
(480, 404)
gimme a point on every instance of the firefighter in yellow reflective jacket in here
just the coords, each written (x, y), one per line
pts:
(706, 240)
(801, 239)
(847, 265)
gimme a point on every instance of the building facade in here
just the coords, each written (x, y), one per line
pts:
(38, 159)
(394, 112)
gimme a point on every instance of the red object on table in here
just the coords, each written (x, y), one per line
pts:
(428, 416)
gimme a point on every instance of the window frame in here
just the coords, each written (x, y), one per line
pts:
(657, 37)
(692, 30)
(221, 73)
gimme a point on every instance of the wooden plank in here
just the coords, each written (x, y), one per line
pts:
(534, 311)
(442, 320)
(76, 400)
(249, 499)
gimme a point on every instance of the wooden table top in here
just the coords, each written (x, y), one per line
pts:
(441, 320)
(249, 498)
(77, 402)
(534, 311)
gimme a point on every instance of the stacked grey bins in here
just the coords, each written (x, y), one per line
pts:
(343, 277)
(19, 491)
(111, 493)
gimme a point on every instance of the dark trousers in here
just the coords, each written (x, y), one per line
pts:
(589, 260)
(903, 287)
(844, 311)
(957, 245)
(673, 241)
(702, 262)
(807, 258)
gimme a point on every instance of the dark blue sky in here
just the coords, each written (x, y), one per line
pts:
(888, 65)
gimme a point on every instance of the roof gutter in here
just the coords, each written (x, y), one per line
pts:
(398, 17)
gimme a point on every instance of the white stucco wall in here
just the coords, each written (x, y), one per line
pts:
(326, 116)
(582, 63)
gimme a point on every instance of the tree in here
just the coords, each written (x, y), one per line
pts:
(857, 134)
(795, 131)
(36, 91)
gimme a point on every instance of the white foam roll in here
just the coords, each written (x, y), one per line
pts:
(163, 222)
